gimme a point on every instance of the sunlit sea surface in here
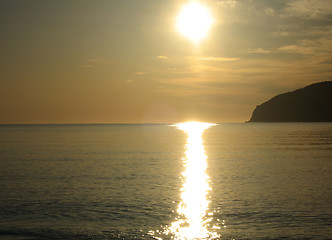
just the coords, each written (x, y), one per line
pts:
(227, 181)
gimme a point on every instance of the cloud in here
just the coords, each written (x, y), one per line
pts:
(319, 50)
(327, 61)
(211, 59)
(297, 49)
(162, 57)
(259, 51)
(217, 59)
(314, 9)
(128, 81)
(282, 34)
(91, 62)
(86, 66)
(229, 3)
(140, 73)
(269, 11)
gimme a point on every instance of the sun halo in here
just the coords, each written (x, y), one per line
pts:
(194, 21)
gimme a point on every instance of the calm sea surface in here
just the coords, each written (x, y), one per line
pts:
(253, 181)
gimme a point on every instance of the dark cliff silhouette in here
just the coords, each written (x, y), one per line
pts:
(312, 103)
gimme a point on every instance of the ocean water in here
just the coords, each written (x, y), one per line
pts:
(229, 181)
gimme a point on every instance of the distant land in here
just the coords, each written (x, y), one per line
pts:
(312, 103)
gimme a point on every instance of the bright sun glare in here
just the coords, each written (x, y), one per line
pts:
(194, 21)
(194, 200)
(194, 217)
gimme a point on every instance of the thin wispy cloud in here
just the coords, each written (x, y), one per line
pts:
(297, 49)
(217, 59)
(86, 66)
(140, 73)
(260, 51)
(317, 9)
(162, 57)
(129, 81)
(228, 3)
(91, 62)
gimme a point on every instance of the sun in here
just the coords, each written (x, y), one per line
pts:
(194, 21)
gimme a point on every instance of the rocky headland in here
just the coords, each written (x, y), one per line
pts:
(312, 103)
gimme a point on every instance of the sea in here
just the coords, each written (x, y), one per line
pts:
(164, 181)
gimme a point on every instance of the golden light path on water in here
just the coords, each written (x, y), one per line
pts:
(194, 218)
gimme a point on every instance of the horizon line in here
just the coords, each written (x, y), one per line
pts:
(115, 123)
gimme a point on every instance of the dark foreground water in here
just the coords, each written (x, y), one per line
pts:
(266, 181)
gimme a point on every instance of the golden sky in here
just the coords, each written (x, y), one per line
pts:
(110, 61)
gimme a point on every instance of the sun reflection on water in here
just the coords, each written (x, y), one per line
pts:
(193, 217)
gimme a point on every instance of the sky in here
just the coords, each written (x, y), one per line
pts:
(112, 61)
